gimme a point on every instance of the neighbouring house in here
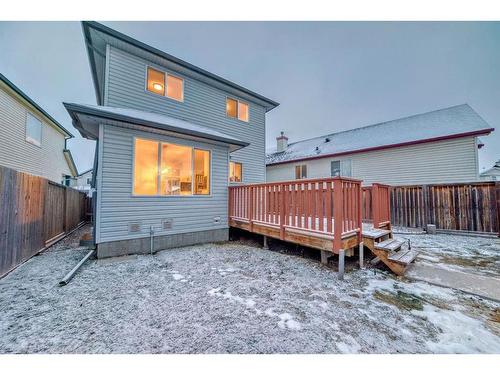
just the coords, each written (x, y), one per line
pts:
(492, 174)
(32, 140)
(171, 137)
(434, 147)
(83, 181)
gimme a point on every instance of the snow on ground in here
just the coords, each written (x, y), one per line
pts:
(232, 298)
(480, 255)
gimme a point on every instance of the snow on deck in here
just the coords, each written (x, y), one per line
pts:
(441, 123)
(232, 298)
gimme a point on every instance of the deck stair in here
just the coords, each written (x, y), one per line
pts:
(388, 249)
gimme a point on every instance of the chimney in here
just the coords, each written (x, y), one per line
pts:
(281, 142)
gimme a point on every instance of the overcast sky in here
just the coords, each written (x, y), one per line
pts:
(328, 76)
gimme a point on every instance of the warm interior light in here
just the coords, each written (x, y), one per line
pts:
(158, 86)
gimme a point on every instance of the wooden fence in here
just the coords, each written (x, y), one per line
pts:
(466, 206)
(34, 212)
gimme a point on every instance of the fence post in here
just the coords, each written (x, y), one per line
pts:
(250, 207)
(338, 214)
(497, 190)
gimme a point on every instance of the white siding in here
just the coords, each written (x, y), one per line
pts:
(117, 207)
(46, 160)
(436, 162)
(203, 104)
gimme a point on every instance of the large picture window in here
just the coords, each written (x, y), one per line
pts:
(167, 169)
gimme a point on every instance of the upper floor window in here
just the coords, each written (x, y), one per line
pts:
(341, 168)
(335, 168)
(237, 109)
(168, 169)
(33, 130)
(165, 84)
(300, 171)
(235, 172)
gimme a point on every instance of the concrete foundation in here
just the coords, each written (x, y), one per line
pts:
(160, 242)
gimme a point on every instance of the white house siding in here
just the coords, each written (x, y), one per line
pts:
(117, 207)
(436, 162)
(46, 160)
(203, 104)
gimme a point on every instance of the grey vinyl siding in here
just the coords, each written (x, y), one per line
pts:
(203, 104)
(447, 161)
(46, 160)
(117, 207)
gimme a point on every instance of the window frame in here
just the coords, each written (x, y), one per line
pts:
(331, 168)
(166, 74)
(301, 169)
(237, 109)
(158, 195)
(29, 139)
(229, 172)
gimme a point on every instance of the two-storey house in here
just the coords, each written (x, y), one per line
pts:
(170, 139)
(32, 140)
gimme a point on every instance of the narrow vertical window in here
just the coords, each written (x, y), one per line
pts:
(175, 88)
(156, 81)
(33, 130)
(235, 172)
(231, 107)
(243, 111)
(300, 171)
(201, 172)
(145, 167)
(176, 169)
(335, 166)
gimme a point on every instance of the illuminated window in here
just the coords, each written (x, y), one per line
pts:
(173, 166)
(176, 169)
(156, 81)
(201, 172)
(237, 109)
(235, 172)
(300, 171)
(33, 130)
(175, 88)
(145, 167)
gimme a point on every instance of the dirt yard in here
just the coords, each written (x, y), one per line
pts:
(232, 298)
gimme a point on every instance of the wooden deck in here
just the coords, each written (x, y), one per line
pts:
(325, 214)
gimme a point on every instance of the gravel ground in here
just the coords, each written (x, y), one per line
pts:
(231, 298)
(479, 255)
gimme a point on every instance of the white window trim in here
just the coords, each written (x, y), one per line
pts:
(164, 83)
(29, 139)
(157, 195)
(237, 110)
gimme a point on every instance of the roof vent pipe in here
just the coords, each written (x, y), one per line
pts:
(281, 142)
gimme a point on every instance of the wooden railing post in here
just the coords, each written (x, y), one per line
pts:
(250, 207)
(282, 210)
(375, 205)
(360, 212)
(497, 191)
(338, 214)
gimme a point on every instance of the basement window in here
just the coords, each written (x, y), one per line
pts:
(237, 109)
(167, 169)
(33, 130)
(300, 171)
(235, 172)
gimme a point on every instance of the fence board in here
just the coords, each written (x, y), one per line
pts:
(33, 211)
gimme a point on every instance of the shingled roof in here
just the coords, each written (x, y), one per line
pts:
(447, 123)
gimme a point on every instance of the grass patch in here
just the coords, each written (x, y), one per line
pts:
(467, 262)
(402, 300)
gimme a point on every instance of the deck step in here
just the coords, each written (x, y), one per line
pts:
(391, 244)
(404, 257)
(375, 233)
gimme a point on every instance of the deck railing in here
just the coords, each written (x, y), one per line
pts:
(380, 205)
(315, 205)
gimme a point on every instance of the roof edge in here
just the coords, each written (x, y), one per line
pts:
(19, 92)
(394, 145)
(127, 39)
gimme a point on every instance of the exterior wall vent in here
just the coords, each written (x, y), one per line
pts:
(217, 220)
(166, 224)
(134, 227)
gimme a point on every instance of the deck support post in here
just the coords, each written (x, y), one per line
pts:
(264, 246)
(341, 263)
(361, 255)
(324, 257)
